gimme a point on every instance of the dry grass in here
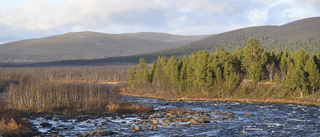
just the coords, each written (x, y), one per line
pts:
(33, 95)
(15, 128)
(66, 90)
(10, 126)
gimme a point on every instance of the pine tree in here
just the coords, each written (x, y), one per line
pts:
(142, 72)
(172, 72)
(183, 72)
(218, 76)
(200, 68)
(254, 59)
(284, 64)
(151, 72)
(159, 71)
(231, 78)
(313, 73)
(237, 58)
(132, 75)
(296, 77)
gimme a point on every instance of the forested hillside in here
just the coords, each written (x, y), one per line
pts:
(301, 34)
(223, 74)
(292, 36)
(90, 45)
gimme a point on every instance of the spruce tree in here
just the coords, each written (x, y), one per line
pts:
(254, 59)
(132, 75)
(237, 58)
(151, 72)
(200, 68)
(313, 73)
(284, 64)
(297, 77)
(172, 72)
(183, 72)
(142, 72)
(159, 71)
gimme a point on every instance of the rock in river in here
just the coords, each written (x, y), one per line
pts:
(195, 122)
(45, 124)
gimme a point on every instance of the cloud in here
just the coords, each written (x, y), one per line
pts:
(39, 18)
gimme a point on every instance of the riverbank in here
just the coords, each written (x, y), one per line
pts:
(190, 97)
(187, 118)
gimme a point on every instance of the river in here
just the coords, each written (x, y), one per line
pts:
(265, 119)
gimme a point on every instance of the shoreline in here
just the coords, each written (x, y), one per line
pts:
(296, 101)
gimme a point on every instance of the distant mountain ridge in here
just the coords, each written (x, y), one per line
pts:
(90, 45)
(293, 36)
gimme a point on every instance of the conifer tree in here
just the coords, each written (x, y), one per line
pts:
(237, 58)
(132, 75)
(254, 58)
(159, 71)
(172, 72)
(183, 72)
(296, 77)
(200, 68)
(142, 72)
(284, 64)
(231, 78)
(151, 72)
(218, 76)
(313, 73)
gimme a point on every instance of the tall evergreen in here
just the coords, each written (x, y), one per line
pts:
(231, 79)
(284, 64)
(132, 75)
(254, 58)
(200, 68)
(172, 72)
(296, 78)
(159, 71)
(183, 72)
(237, 61)
(313, 73)
(142, 72)
(151, 72)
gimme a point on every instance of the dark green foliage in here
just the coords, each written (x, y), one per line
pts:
(142, 72)
(132, 75)
(205, 73)
(312, 73)
(254, 58)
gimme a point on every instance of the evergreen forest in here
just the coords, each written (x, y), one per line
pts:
(250, 71)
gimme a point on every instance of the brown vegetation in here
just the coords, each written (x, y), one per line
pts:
(62, 90)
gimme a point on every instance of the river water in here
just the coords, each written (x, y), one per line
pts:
(266, 119)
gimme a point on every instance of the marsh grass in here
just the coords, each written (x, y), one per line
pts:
(59, 90)
(34, 95)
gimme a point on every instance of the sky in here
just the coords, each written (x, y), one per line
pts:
(27, 19)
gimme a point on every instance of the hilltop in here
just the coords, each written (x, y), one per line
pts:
(293, 36)
(90, 45)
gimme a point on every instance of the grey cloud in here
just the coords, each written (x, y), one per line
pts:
(149, 17)
(121, 16)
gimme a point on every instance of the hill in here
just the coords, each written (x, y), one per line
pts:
(90, 45)
(293, 36)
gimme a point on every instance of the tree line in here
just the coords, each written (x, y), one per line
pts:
(221, 73)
